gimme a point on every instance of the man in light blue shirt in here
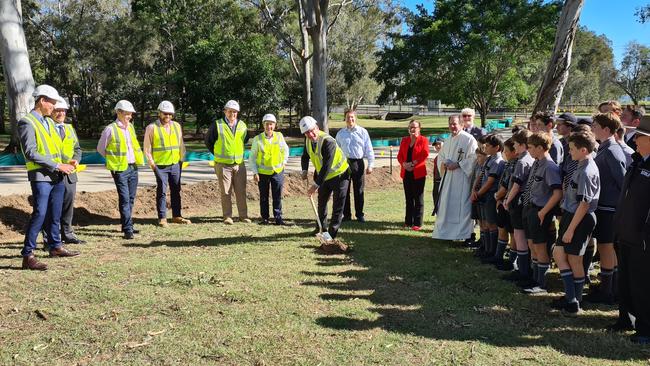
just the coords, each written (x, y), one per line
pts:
(355, 143)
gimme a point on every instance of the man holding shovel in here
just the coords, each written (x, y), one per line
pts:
(332, 175)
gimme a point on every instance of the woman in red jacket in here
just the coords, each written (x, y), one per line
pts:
(412, 156)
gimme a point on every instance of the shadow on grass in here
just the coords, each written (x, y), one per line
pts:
(219, 241)
(434, 289)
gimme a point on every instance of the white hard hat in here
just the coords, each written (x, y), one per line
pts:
(124, 105)
(166, 107)
(232, 104)
(61, 104)
(307, 123)
(46, 91)
(269, 118)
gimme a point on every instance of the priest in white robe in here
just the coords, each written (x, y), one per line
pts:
(457, 158)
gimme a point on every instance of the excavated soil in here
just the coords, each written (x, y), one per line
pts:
(93, 208)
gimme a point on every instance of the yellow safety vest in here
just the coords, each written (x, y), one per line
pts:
(116, 149)
(270, 157)
(69, 141)
(48, 143)
(339, 163)
(166, 149)
(229, 148)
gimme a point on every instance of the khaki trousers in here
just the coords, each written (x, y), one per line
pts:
(232, 177)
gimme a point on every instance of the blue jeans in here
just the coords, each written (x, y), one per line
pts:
(169, 175)
(275, 181)
(126, 183)
(48, 203)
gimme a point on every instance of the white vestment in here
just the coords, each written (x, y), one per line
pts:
(454, 216)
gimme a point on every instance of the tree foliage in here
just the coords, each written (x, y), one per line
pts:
(633, 77)
(470, 52)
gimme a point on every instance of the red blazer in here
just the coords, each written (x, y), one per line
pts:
(420, 154)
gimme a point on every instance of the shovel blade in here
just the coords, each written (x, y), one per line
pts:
(324, 237)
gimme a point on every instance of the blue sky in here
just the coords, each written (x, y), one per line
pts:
(614, 19)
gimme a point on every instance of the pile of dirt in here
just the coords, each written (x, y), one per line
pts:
(92, 208)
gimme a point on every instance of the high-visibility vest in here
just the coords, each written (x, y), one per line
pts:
(116, 149)
(270, 157)
(48, 142)
(229, 148)
(70, 140)
(166, 149)
(339, 163)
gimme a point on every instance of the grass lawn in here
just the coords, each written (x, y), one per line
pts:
(260, 295)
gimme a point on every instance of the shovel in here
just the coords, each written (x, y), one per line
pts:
(323, 236)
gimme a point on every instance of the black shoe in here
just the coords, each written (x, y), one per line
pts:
(75, 241)
(136, 231)
(472, 244)
(640, 339)
(558, 303)
(264, 222)
(504, 266)
(620, 326)
(347, 218)
(572, 308)
(597, 297)
(361, 219)
(128, 236)
(280, 222)
(513, 276)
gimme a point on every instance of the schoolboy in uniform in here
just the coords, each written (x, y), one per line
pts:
(632, 232)
(503, 217)
(578, 220)
(485, 195)
(477, 176)
(514, 204)
(544, 194)
(545, 122)
(611, 163)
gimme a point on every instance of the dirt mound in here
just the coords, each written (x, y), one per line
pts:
(101, 207)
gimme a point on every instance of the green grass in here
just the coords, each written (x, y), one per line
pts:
(249, 294)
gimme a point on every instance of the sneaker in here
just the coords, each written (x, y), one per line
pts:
(416, 228)
(181, 220)
(572, 308)
(162, 222)
(228, 221)
(534, 290)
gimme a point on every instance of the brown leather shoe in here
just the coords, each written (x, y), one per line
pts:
(63, 252)
(33, 264)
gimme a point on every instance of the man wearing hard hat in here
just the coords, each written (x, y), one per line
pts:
(269, 155)
(71, 153)
(43, 150)
(332, 176)
(119, 145)
(165, 150)
(225, 139)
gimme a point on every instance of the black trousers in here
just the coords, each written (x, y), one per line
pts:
(357, 174)
(275, 181)
(634, 285)
(338, 188)
(414, 194)
(435, 194)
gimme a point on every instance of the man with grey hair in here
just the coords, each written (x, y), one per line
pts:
(467, 115)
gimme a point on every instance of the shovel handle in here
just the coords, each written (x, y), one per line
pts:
(313, 205)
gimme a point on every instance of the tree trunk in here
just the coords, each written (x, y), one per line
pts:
(2, 114)
(316, 18)
(17, 70)
(304, 60)
(557, 72)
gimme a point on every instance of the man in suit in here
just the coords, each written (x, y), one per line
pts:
(43, 150)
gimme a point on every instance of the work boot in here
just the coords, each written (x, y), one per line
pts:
(162, 222)
(181, 220)
(33, 264)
